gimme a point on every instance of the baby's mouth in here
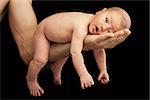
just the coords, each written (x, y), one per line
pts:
(97, 30)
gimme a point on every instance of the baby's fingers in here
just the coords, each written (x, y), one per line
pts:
(104, 81)
(100, 76)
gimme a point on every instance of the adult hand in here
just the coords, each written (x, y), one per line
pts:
(119, 37)
(105, 41)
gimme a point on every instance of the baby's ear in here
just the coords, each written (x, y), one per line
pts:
(104, 9)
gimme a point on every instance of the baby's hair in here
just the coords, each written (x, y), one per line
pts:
(125, 18)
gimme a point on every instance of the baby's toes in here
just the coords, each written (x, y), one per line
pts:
(37, 92)
(41, 91)
(82, 85)
(34, 93)
(92, 82)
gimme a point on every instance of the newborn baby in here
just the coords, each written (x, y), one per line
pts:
(73, 27)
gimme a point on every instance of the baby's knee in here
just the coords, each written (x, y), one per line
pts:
(40, 62)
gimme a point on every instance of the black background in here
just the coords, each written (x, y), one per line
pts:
(127, 63)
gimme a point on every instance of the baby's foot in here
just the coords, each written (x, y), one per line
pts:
(57, 81)
(34, 88)
(57, 75)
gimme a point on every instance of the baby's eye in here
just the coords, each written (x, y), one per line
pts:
(106, 20)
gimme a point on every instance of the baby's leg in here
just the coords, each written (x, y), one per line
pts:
(56, 68)
(40, 58)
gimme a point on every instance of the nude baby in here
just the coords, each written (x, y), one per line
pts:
(73, 27)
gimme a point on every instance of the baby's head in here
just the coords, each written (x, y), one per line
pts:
(109, 20)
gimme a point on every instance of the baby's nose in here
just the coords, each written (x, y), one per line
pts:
(104, 28)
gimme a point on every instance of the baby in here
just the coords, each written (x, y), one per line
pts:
(73, 27)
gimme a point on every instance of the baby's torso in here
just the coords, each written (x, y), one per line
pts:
(59, 27)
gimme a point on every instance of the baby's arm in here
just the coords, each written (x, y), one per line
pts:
(78, 36)
(100, 57)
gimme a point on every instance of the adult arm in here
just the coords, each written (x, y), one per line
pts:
(91, 42)
(21, 10)
(3, 4)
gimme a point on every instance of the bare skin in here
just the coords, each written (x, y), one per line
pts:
(24, 32)
(74, 31)
(104, 22)
(3, 4)
(57, 51)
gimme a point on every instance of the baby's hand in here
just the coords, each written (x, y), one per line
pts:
(86, 80)
(103, 77)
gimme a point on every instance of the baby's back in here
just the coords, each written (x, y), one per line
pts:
(59, 27)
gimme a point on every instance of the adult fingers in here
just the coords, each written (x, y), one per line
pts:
(103, 37)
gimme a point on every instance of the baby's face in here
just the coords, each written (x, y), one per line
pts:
(104, 22)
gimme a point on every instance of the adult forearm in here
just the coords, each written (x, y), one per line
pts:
(91, 42)
(59, 51)
(3, 4)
